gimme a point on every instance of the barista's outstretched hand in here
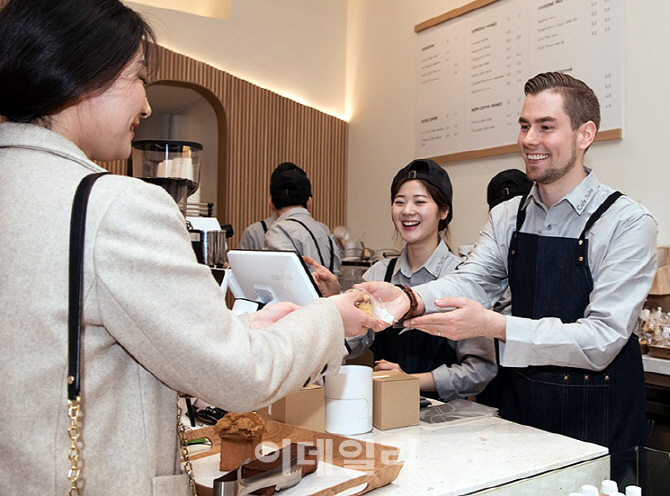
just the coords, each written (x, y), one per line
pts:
(395, 300)
(356, 322)
(271, 314)
(465, 319)
(325, 280)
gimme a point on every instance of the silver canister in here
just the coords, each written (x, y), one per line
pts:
(211, 247)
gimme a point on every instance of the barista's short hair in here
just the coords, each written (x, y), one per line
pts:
(54, 52)
(579, 100)
(289, 186)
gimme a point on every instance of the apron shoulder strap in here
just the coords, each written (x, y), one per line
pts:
(581, 243)
(520, 217)
(265, 226)
(601, 210)
(389, 270)
(323, 262)
(332, 254)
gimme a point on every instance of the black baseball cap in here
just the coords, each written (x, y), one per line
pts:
(432, 173)
(290, 180)
(505, 185)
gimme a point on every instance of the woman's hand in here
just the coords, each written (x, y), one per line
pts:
(384, 365)
(325, 280)
(468, 319)
(356, 322)
(270, 314)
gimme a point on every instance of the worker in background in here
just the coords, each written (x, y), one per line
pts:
(506, 185)
(253, 237)
(295, 228)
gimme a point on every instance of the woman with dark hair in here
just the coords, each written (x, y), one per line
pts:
(421, 209)
(72, 76)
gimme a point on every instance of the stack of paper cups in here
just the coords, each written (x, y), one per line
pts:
(349, 400)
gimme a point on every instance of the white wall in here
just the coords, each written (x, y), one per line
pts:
(381, 77)
(294, 47)
(357, 58)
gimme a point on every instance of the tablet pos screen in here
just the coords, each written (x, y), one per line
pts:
(268, 276)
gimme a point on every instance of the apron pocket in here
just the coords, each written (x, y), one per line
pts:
(587, 408)
(575, 404)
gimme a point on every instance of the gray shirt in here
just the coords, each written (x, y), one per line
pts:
(621, 257)
(476, 357)
(253, 237)
(285, 234)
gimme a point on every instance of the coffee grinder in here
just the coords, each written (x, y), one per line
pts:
(174, 165)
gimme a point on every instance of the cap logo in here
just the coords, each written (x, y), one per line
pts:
(412, 174)
(506, 191)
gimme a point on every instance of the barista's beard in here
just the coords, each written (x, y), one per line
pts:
(550, 176)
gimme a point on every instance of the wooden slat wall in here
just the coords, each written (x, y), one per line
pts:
(259, 129)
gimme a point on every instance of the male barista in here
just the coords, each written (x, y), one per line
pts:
(295, 228)
(253, 237)
(579, 260)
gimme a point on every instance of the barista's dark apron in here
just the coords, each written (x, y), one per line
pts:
(550, 277)
(413, 350)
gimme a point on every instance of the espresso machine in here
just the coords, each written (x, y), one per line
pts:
(175, 166)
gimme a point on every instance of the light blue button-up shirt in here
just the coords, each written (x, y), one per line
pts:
(621, 257)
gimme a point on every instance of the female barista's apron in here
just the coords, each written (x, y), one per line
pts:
(414, 351)
(550, 277)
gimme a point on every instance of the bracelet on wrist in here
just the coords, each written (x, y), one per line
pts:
(413, 304)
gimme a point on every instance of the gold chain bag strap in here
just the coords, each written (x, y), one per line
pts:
(76, 295)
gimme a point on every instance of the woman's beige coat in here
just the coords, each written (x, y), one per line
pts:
(156, 323)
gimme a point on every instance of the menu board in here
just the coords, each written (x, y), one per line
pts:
(471, 70)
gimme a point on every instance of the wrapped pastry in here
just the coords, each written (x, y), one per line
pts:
(373, 307)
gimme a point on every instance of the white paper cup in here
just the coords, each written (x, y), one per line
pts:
(349, 400)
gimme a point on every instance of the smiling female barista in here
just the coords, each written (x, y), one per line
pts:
(421, 210)
(72, 75)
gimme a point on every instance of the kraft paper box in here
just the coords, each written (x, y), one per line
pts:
(395, 400)
(304, 408)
